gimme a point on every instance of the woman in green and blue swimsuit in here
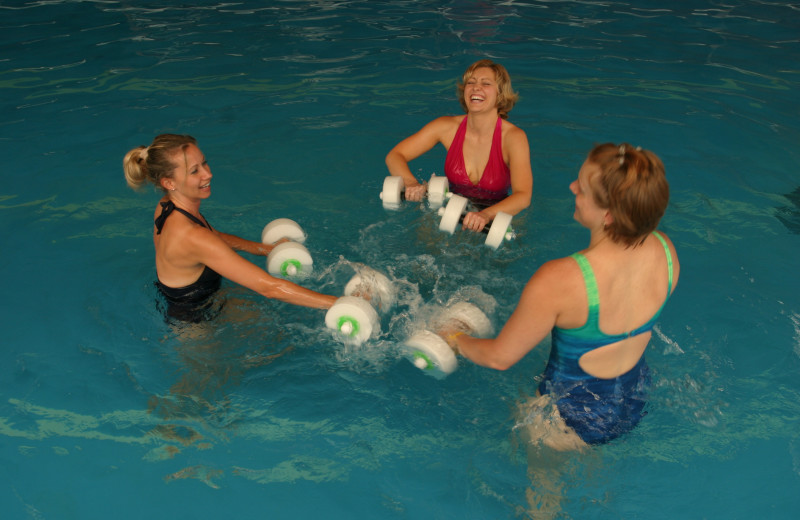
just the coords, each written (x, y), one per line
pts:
(599, 304)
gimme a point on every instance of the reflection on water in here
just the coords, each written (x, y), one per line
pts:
(789, 215)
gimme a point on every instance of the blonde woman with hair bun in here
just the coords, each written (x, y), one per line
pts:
(191, 256)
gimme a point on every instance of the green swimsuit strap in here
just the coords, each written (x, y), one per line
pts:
(669, 260)
(592, 295)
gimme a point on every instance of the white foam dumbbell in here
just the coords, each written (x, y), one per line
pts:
(282, 228)
(354, 315)
(499, 230)
(453, 214)
(429, 351)
(438, 191)
(374, 286)
(289, 259)
(393, 192)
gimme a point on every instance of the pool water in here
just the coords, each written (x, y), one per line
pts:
(107, 410)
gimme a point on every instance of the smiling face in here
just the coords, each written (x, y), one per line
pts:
(492, 73)
(480, 90)
(191, 177)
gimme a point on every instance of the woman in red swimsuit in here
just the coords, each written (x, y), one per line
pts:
(190, 255)
(486, 155)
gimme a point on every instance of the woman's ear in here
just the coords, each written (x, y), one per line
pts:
(608, 219)
(167, 184)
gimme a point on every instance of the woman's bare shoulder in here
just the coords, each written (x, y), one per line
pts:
(557, 276)
(446, 123)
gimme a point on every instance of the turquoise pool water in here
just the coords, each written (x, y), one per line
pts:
(105, 410)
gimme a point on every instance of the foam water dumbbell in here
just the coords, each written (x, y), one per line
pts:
(393, 192)
(289, 259)
(453, 214)
(429, 351)
(354, 315)
(282, 228)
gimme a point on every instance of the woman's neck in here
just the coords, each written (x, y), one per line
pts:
(482, 122)
(600, 240)
(185, 203)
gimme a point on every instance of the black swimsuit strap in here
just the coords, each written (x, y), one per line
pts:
(167, 208)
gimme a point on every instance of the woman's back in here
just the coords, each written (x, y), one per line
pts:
(627, 287)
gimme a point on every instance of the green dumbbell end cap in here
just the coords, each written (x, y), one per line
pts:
(422, 361)
(291, 267)
(348, 325)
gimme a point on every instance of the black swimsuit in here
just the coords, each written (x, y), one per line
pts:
(192, 302)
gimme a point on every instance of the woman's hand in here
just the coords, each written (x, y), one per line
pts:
(450, 335)
(475, 221)
(416, 192)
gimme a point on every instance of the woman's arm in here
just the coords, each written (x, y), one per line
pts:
(212, 250)
(248, 246)
(532, 320)
(412, 147)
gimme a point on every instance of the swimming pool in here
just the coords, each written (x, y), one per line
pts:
(104, 410)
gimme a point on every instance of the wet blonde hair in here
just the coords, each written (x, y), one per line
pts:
(632, 185)
(506, 97)
(155, 162)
